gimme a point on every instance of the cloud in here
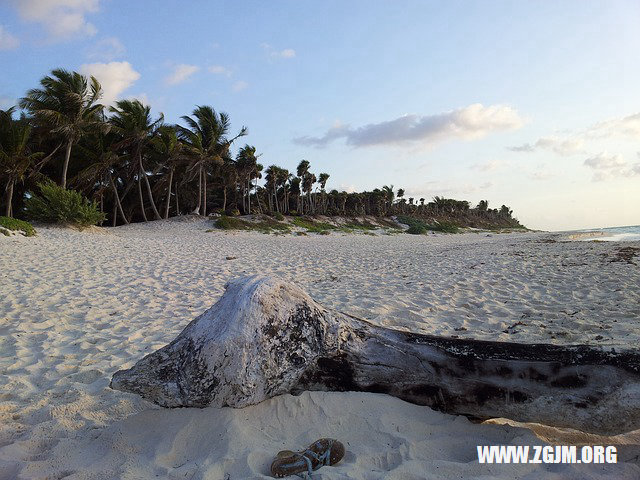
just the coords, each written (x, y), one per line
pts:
(7, 41)
(239, 86)
(564, 147)
(606, 166)
(62, 19)
(107, 49)
(628, 126)
(488, 166)
(472, 122)
(273, 53)
(541, 175)
(115, 77)
(181, 73)
(435, 187)
(219, 70)
(287, 53)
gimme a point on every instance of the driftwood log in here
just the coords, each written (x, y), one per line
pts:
(266, 337)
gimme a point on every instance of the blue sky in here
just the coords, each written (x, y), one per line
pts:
(531, 104)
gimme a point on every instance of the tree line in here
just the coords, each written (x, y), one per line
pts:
(137, 168)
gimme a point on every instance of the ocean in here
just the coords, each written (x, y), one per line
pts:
(612, 234)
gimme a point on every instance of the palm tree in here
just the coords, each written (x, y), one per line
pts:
(103, 164)
(208, 145)
(302, 171)
(171, 150)
(15, 155)
(132, 121)
(322, 180)
(246, 164)
(389, 195)
(66, 104)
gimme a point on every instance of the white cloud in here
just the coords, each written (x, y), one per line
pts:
(349, 188)
(287, 53)
(472, 122)
(541, 175)
(273, 53)
(219, 70)
(489, 166)
(115, 77)
(561, 146)
(181, 73)
(60, 18)
(107, 49)
(606, 166)
(628, 126)
(239, 86)
(7, 41)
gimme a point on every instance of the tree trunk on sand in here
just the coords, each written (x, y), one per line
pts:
(65, 166)
(166, 209)
(144, 215)
(118, 203)
(266, 337)
(9, 209)
(146, 181)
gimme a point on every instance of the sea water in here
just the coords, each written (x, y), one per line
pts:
(612, 234)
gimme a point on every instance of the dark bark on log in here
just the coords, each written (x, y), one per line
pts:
(266, 337)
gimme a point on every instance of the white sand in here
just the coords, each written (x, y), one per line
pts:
(75, 307)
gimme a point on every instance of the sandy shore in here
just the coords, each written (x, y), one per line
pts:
(77, 306)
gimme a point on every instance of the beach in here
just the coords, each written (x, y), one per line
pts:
(78, 306)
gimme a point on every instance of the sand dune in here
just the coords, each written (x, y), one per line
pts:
(77, 306)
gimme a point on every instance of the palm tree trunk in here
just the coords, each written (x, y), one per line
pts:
(249, 194)
(224, 199)
(9, 210)
(166, 209)
(114, 216)
(199, 190)
(204, 195)
(177, 202)
(118, 203)
(67, 156)
(146, 181)
(144, 215)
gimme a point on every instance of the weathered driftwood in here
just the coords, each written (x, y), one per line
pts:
(266, 337)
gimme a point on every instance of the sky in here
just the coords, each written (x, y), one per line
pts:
(535, 105)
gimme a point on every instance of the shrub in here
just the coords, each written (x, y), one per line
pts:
(16, 225)
(417, 230)
(59, 205)
(278, 216)
(230, 223)
(418, 226)
(265, 225)
(234, 212)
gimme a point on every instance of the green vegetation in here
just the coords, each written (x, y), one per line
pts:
(16, 225)
(418, 226)
(140, 168)
(59, 205)
(264, 224)
(313, 226)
